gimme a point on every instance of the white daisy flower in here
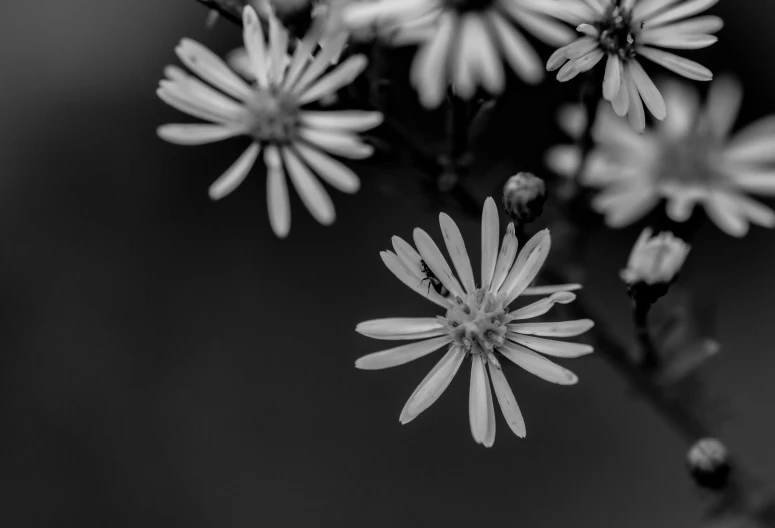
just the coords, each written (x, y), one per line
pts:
(462, 41)
(622, 30)
(271, 111)
(478, 323)
(689, 158)
(655, 260)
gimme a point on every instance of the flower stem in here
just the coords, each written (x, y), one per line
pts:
(649, 355)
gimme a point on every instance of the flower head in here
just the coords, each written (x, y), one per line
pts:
(655, 260)
(688, 159)
(272, 111)
(524, 195)
(478, 323)
(708, 461)
(620, 31)
(462, 41)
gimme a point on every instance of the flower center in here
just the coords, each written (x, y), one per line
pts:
(469, 5)
(274, 116)
(477, 322)
(617, 36)
(689, 160)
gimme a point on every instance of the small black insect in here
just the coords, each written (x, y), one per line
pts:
(433, 280)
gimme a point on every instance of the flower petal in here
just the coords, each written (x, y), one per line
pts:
(400, 355)
(196, 133)
(550, 347)
(490, 232)
(255, 43)
(212, 69)
(339, 143)
(433, 385)
(674, 63)
(527, 266)
(554, 288)
(235, 174)
(554, 328)
(541, 307)
(477, 400)
(312, 193)
(457, 251)
(538, 365)
(429, 67)
(398, 328)
(436, 262)
(505, 258)
(345, 120)
(517, 51)
(278, 203)
(330, 170)
(648, 91)
(507, 401)
(406, 276)
(343, 75)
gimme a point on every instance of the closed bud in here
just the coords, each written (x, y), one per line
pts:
(653, 265)
(523, 197)
(709, 464)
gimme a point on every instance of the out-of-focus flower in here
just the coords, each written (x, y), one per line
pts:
(655, 260)
(689, 158)
(478, 323)
(462, 41)
(708, 462)
(523, 197)
(622, 30)
(271, 111)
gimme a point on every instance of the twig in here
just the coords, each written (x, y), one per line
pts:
(649, 355)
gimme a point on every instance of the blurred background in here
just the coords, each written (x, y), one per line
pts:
(166, 361)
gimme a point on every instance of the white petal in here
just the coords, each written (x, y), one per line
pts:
(553, 329)
(699, 25)
(648, 91)
(301, 55)
(635, 112)
(678, 40)
(541, 307)
(682, 104)
(393, 357)
(278, 49)
(685, 10)
(343, 75)
(724, 212)
(408, 255)
(506, 400)
(399, 328)
(490, 235)
(621, 101)
(550, 347)
(235, 174)
(758, 182)
(429, 67)
(538, 365)
(212, 69)
(506, 256)
(544, 28)
(722, 105)
(488, 64)
(613, 77)
(647, 8)
(527, 266)
(253, 35)
(278, 203)
(345, 120)
(433, 385)
(363, 14)
(489, 437)
(339, 143)
(436, 262)
(319, 64)
(554, 288)
(576, 66)
(315, 198)
(464, 60)
(756, 212)
(517, 51)
(477, 400)
(406, 276)
(196, 134)
(457, 251)
(679, 65)
(330, 170)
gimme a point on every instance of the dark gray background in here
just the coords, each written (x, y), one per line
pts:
(165, 361)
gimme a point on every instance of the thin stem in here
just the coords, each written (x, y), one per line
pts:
(649, 355)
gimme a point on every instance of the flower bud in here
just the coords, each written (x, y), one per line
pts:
(523, 197)
(654, 262)
(708, 462)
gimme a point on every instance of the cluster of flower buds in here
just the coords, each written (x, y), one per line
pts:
(709, 464)
(653, 265)
(524, 196)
